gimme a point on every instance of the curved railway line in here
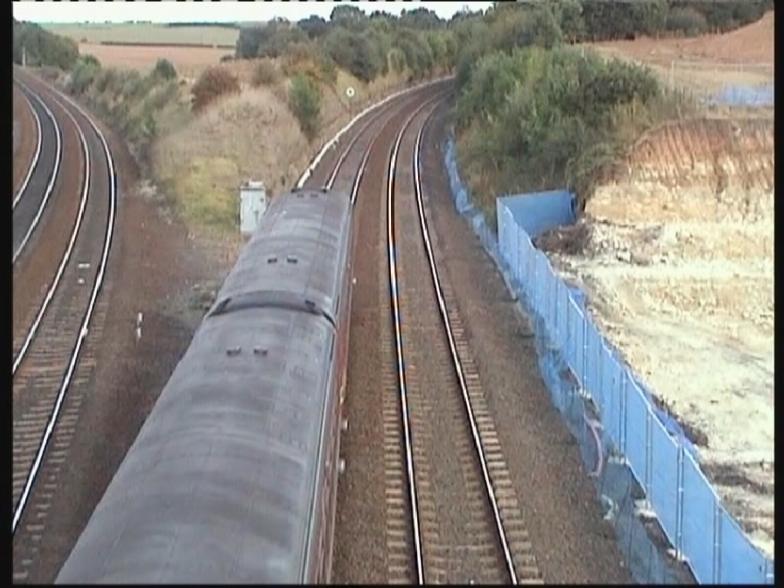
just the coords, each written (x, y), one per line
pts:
(36, 152)
(49, 365)
(30, 202)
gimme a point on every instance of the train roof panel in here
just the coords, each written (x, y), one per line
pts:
(300, 247)
(226, 464)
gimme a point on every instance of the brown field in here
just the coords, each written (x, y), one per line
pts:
(188, 61)
(707, 62)
(750, 44)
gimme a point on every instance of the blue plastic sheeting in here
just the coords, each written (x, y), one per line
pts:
(641, 450)
(538, 212)
(743, 95)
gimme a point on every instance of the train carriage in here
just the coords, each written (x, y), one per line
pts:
(233, 476)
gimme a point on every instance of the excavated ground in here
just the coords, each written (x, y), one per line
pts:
(676, 257)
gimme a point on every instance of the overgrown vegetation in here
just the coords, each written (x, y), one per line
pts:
(305, 103)
(139, 106)
(41, 47)
(213, 83)
(534, 114)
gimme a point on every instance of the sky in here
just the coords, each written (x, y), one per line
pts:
(224, 11)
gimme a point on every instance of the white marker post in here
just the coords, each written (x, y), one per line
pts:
(350, 94)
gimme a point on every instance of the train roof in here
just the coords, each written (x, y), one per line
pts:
(219, 485)
(299, 252)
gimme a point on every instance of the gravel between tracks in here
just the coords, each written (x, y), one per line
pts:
(360, 532)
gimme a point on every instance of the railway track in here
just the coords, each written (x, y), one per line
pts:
(490, 542)
(54, 358)
(36, 152)
(464, 521)
(31, 200)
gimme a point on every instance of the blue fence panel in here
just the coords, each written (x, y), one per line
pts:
(594, 345)
(562, 316)
(577, 325)
(699, 528)
(612, 374)
(680, 495)
(740, 562)
(637, 415)
(663, 490)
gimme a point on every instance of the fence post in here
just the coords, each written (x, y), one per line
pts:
(584, 383)
(679, 504)
(622, 412)
(516, 268)
(600, 384)
(648, 456)
(716, 541)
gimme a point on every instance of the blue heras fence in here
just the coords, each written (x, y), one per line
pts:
(619, 427)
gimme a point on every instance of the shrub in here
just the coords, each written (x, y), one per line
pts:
(305, 104)
(687, 21)
(82, 76)
(213, 83)
(566, 117)
(164, 69)
(90, 60)
(356, 52)
(264, 74)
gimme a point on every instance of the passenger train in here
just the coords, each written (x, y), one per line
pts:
(233, 476)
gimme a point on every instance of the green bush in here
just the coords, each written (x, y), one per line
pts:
(164, 69)
(213, 83)
(305, 104)
(82, 75)
(537, 119)
(356, 52)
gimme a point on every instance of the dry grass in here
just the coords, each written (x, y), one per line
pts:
(189, 61)
(250, 135)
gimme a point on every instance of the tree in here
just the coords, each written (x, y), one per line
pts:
(348, 16)
(314, 26)
(305, 104)
(420, 18)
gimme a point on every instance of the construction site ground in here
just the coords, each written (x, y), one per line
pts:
(675, 254)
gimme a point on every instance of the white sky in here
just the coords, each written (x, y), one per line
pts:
(224, 11)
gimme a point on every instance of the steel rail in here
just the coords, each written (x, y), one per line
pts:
(458, 365)
(36, 155)
(68, 250)
(52, 177)
(35, 467)
(393, 290)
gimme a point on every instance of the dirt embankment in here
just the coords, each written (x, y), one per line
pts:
(676, 256)
(749, 44)
(251, 135)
